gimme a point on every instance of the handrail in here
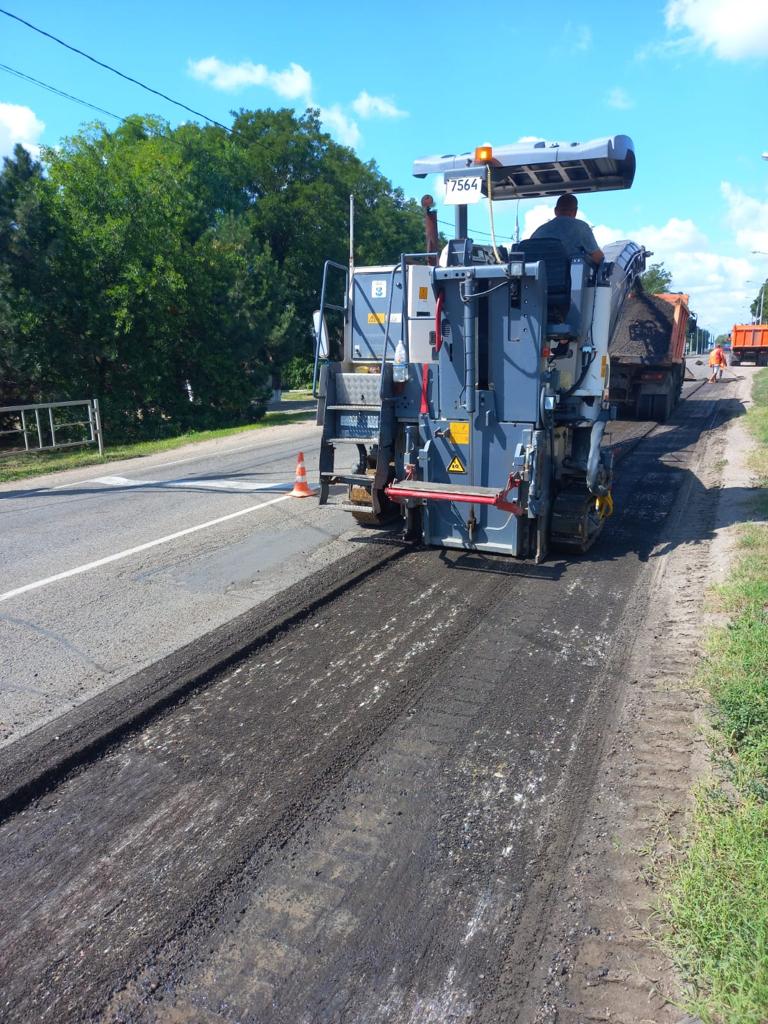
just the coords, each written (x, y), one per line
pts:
(387, 323)
(92, 423)
(328, 305)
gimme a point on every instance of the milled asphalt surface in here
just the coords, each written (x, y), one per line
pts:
(362, 820)
(73, 637)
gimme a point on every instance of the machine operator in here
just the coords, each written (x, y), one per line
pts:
(576, 235)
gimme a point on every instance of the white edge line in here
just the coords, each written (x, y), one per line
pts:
(177, 462)
(141, 547)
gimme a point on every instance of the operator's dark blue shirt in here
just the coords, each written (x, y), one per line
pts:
(576, 235)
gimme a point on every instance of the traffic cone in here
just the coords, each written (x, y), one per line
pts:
(301, 488)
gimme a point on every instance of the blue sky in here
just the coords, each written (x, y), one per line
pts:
(686, 79)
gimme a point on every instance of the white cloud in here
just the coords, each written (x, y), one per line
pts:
(747, 217)
(294, 83)
(535, 217)
(19, 124)
(582, 37)
(619, 99)
(342, 126)
(717, 284)
(680, 236)
(366, 106)
(734, 29)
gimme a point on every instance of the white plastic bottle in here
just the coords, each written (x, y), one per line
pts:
(400, 366)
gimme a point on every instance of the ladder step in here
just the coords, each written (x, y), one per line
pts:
(348, 478)
(368, 439)
(355, 408)
(348, 506)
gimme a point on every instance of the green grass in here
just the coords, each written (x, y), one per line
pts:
(715, 898)
(19, 467)
(297, 395)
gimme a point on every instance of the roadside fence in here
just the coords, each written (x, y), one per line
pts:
(50, 425)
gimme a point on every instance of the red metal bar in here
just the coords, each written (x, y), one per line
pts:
(424, 408)
(498, 500)
(401, 493)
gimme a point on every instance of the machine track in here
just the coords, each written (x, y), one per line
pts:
(361, 820)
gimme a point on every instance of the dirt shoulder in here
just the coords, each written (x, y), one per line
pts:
(601, 961)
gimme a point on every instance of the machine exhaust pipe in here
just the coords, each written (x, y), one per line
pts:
(430, 227)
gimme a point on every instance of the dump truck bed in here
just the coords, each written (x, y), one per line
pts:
(749, 336)
(648, 331)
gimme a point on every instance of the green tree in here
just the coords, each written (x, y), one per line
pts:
(656, 279)
(170, 272)
(759, 307)
(28, 288)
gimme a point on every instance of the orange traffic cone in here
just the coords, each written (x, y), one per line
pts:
(301, 488)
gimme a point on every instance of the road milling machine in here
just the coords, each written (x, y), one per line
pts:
(471, 388)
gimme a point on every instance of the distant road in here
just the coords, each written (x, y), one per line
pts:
(103, 571)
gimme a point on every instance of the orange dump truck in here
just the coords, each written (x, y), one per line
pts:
(647, 353)
(749, 341)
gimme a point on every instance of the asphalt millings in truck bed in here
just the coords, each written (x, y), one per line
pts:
(643, 330)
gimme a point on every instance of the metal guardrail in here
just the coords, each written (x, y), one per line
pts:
(45, 427)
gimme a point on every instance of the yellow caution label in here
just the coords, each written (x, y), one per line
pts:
(603, 366)
(423, 294)
(456, 465)
(459, 432)
(381, 318)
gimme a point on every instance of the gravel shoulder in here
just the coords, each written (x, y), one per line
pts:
(601, 960)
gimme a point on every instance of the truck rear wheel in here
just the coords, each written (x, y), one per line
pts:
(662, 406)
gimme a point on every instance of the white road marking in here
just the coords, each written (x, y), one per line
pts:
(141, 547)
(212, 485)
(190, 458)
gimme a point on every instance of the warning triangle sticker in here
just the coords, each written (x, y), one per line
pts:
(456, 465)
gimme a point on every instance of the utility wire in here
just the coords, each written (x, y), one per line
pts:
(59, 92)
(114, 71)
(475, 231)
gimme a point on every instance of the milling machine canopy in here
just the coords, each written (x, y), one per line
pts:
(530, 170)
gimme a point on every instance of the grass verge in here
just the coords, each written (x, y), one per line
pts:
(715, 899)
(19, 467)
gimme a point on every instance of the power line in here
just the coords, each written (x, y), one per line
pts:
(59, 92)
(108, 67)
(475, 231)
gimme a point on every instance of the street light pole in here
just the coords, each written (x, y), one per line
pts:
(759, 252)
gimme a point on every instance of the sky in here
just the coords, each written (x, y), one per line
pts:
(687, 80)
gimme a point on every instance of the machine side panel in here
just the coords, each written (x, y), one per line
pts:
(372, 289)
(446, 524)
(515, 332)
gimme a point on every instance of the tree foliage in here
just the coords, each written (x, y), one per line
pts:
(656, 279)
(170, 272)
(759, 307)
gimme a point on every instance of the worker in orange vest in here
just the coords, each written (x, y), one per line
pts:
(717, 363)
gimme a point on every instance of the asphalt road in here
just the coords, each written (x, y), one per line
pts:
(363, 821)
(64, 639)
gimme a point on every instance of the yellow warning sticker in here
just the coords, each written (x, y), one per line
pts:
(459, 431)
(456, 465)
(381, 318)
(423, 294)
